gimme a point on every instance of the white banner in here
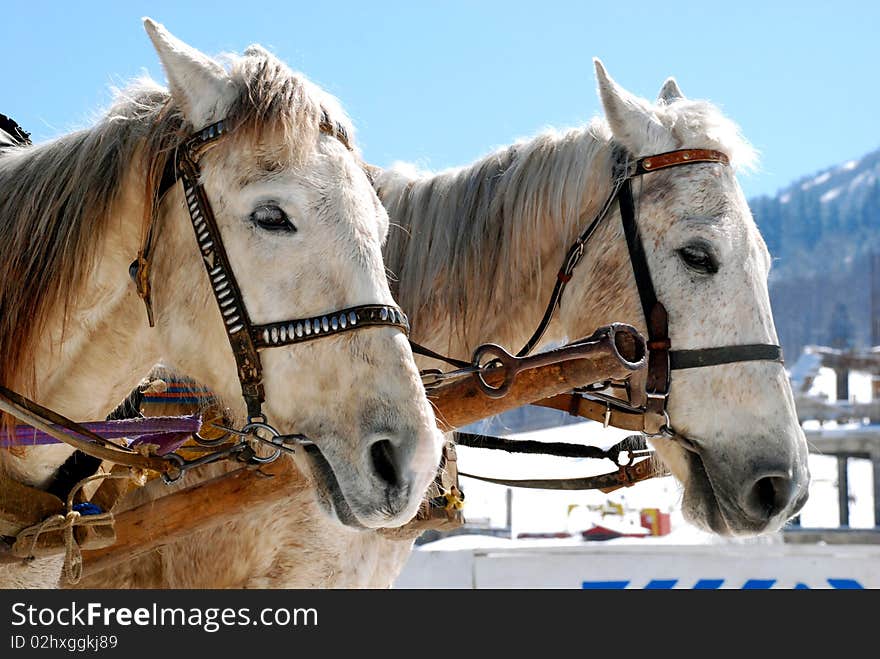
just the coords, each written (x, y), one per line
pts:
(722, 566)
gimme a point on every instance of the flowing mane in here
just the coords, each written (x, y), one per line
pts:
(57, 198)
(468, 240)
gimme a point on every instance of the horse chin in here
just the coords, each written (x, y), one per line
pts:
(706, 506)
(700, 506)
(329, 495)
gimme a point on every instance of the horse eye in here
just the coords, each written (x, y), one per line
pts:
(699, 258)
(272, 218)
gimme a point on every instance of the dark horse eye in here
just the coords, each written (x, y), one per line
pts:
(272, 218)
(699, 258)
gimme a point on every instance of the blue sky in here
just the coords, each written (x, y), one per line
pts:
(440, 84)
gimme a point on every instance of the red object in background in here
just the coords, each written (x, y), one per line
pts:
(655, 521)
(600, 533)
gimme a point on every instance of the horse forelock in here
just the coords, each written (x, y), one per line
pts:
(278, 108)
(700, 124)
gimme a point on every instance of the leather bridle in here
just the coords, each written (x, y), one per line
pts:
(246, 340)
(651, 418)
(245, 337)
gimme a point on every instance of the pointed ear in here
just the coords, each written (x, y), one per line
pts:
(669, 92)
(199, 85)
(632, 121)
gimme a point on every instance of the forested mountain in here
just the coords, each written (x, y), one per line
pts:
(822, 231)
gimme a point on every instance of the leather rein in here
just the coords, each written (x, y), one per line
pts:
(246, 338)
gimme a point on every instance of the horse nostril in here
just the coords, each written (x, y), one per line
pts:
(383, 457)
(769, 496)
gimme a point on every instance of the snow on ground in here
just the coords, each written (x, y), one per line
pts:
(546, 511)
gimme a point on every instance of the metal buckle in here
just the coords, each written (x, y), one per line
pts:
(665, 429)
(243, 450)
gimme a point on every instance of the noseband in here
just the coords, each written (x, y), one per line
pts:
(245, 337)
(652, 418)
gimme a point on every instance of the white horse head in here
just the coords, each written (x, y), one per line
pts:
(504, 224)
(303, 230)
(745, 467)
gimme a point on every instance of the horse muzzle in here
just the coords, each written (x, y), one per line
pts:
(755, 497)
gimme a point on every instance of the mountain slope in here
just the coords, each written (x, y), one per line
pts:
(821, 231)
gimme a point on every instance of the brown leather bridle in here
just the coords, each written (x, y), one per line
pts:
(245, 337)
(652, 417)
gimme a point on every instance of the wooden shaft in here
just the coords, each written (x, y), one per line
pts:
(201, 506)
(615, 356)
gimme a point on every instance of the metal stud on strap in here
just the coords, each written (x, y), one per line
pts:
(289, 332)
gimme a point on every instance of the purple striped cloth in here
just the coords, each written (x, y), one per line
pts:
(166, 432)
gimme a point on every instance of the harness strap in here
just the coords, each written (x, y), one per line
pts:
(560, 449)
(427, 352)
(626, 474)
(605, 413)
(657, 379)
(289, 332)
(224, 286)
(679, 157)
(682, 359)
(572, 258)
(70, 432)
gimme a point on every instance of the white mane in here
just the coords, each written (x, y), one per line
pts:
(466, 231)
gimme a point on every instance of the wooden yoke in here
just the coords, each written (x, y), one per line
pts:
(613, 353)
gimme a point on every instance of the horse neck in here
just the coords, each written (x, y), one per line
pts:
(475, 251)
(97, 347)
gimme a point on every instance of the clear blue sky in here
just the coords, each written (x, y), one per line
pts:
(443, 83)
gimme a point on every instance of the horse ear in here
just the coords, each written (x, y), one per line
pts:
(669, 92)
(198, 84)
(631, 119)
